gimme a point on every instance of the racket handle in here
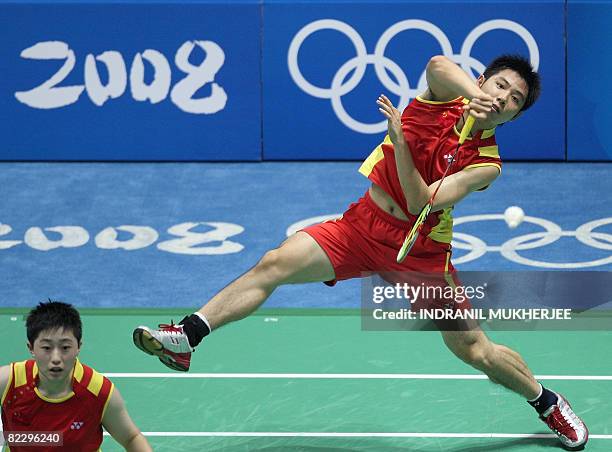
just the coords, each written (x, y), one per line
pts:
(469, 122)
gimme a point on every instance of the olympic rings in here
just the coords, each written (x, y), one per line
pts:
(553, 232)
(341, 86)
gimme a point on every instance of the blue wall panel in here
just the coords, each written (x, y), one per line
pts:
(588, 80)
(306, 116)
(213, 113)
(301, 115)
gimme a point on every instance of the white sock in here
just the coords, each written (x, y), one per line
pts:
(205, 320)
(539, 394)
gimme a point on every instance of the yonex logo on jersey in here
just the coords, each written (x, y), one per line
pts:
(76, 425)
(390, 74)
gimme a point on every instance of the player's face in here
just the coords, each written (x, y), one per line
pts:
(509, 92)
(55, 352)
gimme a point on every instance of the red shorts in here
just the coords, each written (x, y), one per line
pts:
(366, 239)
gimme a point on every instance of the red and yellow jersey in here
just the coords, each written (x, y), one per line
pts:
(77, 416)
(430, 130)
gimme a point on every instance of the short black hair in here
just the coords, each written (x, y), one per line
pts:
(53, 315)
(522, 67)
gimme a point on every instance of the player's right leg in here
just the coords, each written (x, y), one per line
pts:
(298, 260)
(506, 367)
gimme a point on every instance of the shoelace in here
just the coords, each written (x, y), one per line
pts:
(560, 423)
(171, 328)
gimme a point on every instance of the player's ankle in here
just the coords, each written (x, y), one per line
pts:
(544, 401)
(196, 327)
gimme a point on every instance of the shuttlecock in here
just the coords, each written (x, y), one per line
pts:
(514, 216)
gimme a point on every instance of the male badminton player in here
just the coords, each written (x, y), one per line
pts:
(404, 170)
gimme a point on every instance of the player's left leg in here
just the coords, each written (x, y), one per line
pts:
(299, 259)
(506, 367)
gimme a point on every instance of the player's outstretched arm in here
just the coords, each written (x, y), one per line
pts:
(118, 423)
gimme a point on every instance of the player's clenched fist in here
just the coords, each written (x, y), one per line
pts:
(481, 106)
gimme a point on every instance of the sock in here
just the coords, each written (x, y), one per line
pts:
(544, 401)
(196, 327)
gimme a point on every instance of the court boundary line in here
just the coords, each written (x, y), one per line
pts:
(180, 311)
(323, 376)
(360, 435)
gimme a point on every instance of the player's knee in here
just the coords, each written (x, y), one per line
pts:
(473, 348)
(477, 355)
(479, 359)
(272, 266)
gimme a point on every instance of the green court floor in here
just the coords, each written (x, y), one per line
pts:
(305, 381)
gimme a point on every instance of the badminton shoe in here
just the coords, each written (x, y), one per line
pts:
(568, 427)
(169, 343)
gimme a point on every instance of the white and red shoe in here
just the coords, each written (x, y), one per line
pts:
(169, 343)
(566, 424)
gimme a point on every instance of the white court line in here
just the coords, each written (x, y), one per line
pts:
(352, 376)
(346, 376)
(360, 435)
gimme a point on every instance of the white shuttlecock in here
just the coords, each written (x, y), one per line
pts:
(514, 216)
